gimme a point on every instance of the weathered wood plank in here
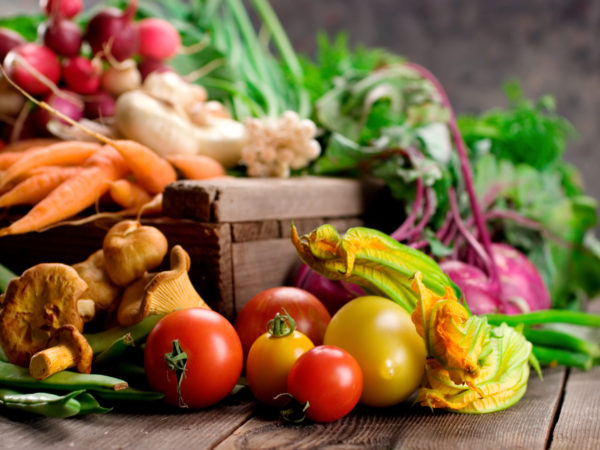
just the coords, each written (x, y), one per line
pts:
(577, 425)
(246, 199)
(167, 428)
(307, 225)
(260, 265)
(255, 231)
(524, 426)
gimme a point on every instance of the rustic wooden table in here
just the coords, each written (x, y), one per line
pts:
(558, 412)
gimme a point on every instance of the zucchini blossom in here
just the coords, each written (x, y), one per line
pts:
(472, 367)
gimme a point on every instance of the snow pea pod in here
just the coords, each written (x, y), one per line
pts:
(42, 403)
(13, 375)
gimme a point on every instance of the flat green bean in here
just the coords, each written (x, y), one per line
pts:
(552, 356)
(42, 403)
(103, 340)
(546, 316)
(561, 340)
(129, 394)
(13, 375)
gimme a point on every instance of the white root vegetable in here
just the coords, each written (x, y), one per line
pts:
(155, 124)
(121, 78)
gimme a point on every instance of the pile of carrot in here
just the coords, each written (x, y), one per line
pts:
(63, 178)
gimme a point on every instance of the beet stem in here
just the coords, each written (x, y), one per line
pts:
(402, 230)
(467, 175)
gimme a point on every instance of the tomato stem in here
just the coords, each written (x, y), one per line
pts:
(281, 325)
(176, 361)
(293, 411)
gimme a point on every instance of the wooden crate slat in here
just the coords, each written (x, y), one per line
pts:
(255, 231)
(526, 426)
(260, 265)
(244, 199)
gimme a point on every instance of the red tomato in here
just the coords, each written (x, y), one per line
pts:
(330, 379)
(214, 357)
(307, 310)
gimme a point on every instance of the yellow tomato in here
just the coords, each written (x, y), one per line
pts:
(382, 338)
(269, 361)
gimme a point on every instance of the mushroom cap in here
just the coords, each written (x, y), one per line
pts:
(43, 299)
(71, 337)
(101, 288)
(161, 293)
(172, 289)
(129, 312)
(131, 249)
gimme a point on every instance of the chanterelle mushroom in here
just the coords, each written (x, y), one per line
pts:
(160, 293)
(131, 249)
(68, 348)
(101, 288)
(43, 299)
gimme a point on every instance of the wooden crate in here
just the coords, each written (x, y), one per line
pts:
(236, 231)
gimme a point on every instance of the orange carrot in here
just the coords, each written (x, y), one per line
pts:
(151, 171)
(127, 194)
(37, 186)
(7, 159)
(26, 144)
(75, 194)
(62, 153)
(197, 167)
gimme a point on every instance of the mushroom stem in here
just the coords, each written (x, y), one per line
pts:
(52, 360)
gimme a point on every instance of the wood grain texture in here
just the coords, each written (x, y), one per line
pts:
(524, 426)
(244, 199)
(155, 429)
(260, 265)
(578, 426)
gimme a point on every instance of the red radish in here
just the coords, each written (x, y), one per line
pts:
(65, 102)
(158, 39)
(9, 39)
(99, 105)
(114, 28)
(61, 35)
(148, 66)
(34, 67)
(82, 75)
(62, 8)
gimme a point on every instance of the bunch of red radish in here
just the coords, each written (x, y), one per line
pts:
(79, 70)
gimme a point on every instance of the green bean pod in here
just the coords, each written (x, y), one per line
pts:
(547, 316)
(42, 403)
(104, 340)
(13, 375)
(557, 357)
(560, 340)
(129, 394)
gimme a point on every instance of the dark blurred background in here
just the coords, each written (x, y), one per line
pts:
(473, 47)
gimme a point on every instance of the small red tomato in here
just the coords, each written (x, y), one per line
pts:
(329, 379)
(193, 356)
(307, 310)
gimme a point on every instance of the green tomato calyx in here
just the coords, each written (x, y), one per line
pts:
(281, 325)
(176, 361)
